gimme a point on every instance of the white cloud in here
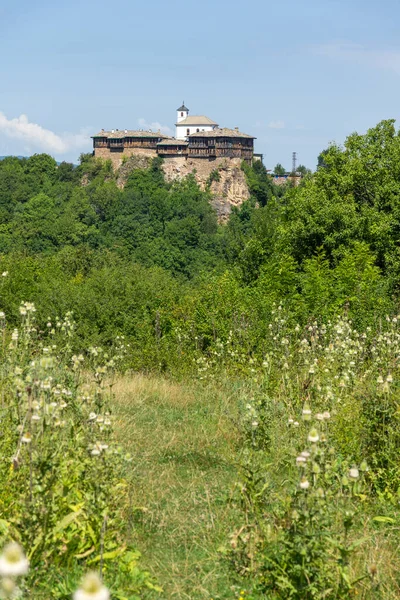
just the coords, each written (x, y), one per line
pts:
(276, 124)
(36, 137)
(357, 53)
(155, 126)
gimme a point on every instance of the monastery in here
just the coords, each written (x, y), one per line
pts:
(196, 137)
(213, 154)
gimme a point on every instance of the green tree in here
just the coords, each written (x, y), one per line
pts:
(279, 170)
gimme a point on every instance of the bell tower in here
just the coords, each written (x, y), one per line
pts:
(182, 113)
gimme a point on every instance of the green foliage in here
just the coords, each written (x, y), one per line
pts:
(62, 478)
(303, 170)
(259, 182)
(279, 170)
(213, 176)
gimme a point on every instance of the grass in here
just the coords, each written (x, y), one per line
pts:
(183, 445)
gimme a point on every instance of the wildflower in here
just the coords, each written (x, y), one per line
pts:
(92, 416)
(306, 413)
(91, 588)
(301, 461)
(380, 379)
(35, 418)
(26, 438)
(327, 415)
(4, 274)
(2, 315)
(389, 378)
(14, 335)
(290, 421)
(304, 484)
(319, 417)
(354, 473)
(13, 562)
(305, 454)
(296, 424)
(9, 588)
(313, 436)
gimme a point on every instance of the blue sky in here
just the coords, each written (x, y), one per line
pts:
(297, 75)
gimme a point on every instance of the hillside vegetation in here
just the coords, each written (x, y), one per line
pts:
(223, 399)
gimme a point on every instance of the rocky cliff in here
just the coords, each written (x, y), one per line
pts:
(223, 177)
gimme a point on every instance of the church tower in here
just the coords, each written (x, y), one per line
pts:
(182, 113)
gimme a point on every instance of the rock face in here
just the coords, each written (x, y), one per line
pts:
(136, 161)
(223, 177)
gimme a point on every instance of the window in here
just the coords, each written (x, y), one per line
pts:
(197, 130)
(187, 131)
(181, 114)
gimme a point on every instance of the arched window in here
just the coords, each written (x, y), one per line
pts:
(181, 114)
(187, 131)
(197, 130)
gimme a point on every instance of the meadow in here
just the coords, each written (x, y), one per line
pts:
(196, 410)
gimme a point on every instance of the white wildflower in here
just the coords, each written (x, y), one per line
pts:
(91, 588)
(26, 438)
(4, 274)
(92, 416)
(319, 416)
(300, 461)
(313, 436)
(13, 561)
(354, 473)
(304, 484)
(9, 588)
(327, 415)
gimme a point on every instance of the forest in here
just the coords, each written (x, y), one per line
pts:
(201, 410)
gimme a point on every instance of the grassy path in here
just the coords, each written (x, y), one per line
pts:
(182, 470)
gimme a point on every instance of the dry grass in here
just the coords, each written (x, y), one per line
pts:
(182, 443)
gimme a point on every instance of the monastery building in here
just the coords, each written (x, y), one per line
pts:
(196, 137)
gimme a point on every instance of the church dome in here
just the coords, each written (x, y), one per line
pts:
(183, 108)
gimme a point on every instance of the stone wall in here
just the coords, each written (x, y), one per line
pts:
(117, 158)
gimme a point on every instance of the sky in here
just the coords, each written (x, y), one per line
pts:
(296, 75)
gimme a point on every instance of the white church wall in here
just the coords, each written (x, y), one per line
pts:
(182, 130)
